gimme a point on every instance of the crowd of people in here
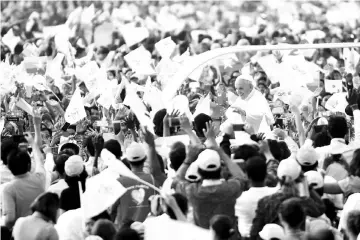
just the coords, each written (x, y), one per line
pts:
(124, 120)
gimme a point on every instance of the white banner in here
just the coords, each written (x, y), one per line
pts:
(75, 111)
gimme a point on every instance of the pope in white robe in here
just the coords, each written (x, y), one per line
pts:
(250, 107)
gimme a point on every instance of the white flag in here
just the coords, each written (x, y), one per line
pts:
(132, 34)
(140, 61)
(88, 73)
(75, 111)
(165, 47)
(102, 191)
(139, 109)
(21, 103)
(53, 70)
(203, 106)
(30, 50)
(11, 40)
(351, 58)
(117, 165)
(333, 86)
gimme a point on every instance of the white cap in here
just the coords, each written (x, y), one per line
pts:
(192, 173)
(316, 225)
(74, 166)
(209, 160)
(272, 231)
(290, 168)
(135, 152)
(322, 121)
(307, 156)
(314, 177)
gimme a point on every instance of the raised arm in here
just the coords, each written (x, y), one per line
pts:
(38, 157)
(191, 156)
(37, 127)
(234, 169)
(186, 126)
(300, 129)
(171, 203)
(155, 167)
(99, 145)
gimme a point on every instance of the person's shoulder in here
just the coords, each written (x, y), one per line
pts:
(276, 196)
(245, 194)
(67, 192)
(129, 181)
(190, 187)
(235, 183)
(8, 186)
(70, 215)
(49, 232)
(37, 177)
(20, 221)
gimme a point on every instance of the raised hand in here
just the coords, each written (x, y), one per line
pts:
(260, 136)
(352, 97)
(173, 114)
(209, 132)
(129, 122)
(36, 117)
(185, 124)
(228, 129)
(280, 133)
(47, 149)
(148, 137)
(239, 110)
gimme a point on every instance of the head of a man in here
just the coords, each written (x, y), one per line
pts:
(19, 162)
(136, 155)
(177, 155)
(243, 86)
(209, 165)
(337, 127)
(292, 214)
(114, 147)
(7, 146)
(256, 170)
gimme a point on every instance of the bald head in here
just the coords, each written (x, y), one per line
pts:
(243, 86)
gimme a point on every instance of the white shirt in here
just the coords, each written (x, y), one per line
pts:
(352, 204)
(163, 217)
(49, 167)
(58, 187)
(246, 206)
(70, 225)
(256, 107)
(338, 145)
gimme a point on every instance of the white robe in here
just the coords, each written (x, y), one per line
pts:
(255, 106)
